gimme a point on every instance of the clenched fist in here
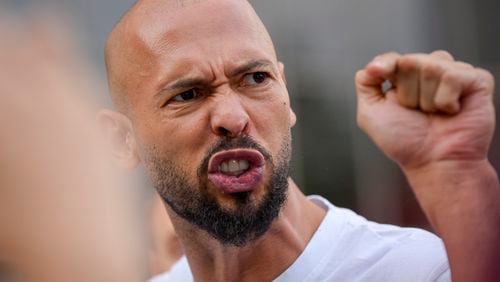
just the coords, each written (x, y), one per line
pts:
(437, 123)
(438, 109)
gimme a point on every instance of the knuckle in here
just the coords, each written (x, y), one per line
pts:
(486, 77)
(390, 54)
(407, 63)
(431, 71)
(393, 54)
(449, 77)
(442, 54)
(463, 65)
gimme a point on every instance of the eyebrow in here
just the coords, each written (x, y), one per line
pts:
(187, 83)
(250, 66)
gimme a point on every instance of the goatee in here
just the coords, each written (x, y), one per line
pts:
(192, 201)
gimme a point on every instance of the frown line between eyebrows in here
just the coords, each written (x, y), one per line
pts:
(186, 83)
(192, 82)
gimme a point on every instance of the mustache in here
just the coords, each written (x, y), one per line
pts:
(242, 142)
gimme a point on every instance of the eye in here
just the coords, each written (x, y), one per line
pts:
(185, 96)
(256, 78)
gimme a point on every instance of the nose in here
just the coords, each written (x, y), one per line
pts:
(229, 118)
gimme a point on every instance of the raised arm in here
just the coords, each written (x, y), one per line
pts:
(437, 123)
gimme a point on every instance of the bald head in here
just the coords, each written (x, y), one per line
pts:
(141, 42)
(193, 78)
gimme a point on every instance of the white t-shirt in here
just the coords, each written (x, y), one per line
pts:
(347, 247)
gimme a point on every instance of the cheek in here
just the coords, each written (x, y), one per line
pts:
(184, 141)
(271, 120)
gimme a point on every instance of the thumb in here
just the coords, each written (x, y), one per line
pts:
(370, 79)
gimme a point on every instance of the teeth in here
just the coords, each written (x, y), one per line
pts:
(244, 165)
(224, 167)
(234, 167)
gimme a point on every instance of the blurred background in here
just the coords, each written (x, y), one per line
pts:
(323, 43)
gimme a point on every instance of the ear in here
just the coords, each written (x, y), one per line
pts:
(293, 117)
(281, 69)
(119, 134)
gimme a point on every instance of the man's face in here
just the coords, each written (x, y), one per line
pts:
(211, 115)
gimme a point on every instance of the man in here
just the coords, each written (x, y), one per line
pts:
(202, 102)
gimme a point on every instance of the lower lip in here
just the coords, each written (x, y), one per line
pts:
(236, 184)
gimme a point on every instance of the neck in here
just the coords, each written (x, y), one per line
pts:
(263, 259)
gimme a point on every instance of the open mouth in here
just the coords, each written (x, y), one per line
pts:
(238, 170)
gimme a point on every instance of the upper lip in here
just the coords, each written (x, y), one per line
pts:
(254, 157)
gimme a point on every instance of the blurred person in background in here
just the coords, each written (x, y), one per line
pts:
(201, 101)
(66, 212)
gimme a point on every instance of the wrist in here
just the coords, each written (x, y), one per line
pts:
(452, 184)
(450, 171)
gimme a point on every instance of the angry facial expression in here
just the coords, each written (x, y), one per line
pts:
(210, 113)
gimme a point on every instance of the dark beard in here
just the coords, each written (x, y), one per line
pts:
(192, 202)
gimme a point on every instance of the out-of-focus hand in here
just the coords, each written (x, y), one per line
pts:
(65, 213)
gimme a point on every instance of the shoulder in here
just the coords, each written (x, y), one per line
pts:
(380, 251)
(180, 271)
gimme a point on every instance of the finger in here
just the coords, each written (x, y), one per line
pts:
(369, 80)
(443, 55)
(448, 94)
(368, 87)
(383, 66)
(456, 83)
(408, 80)
(463, 65)
(430, 74)
(486, 81)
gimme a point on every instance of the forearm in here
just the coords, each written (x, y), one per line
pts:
(462, 202)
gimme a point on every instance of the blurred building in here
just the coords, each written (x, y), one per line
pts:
(323, 43)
